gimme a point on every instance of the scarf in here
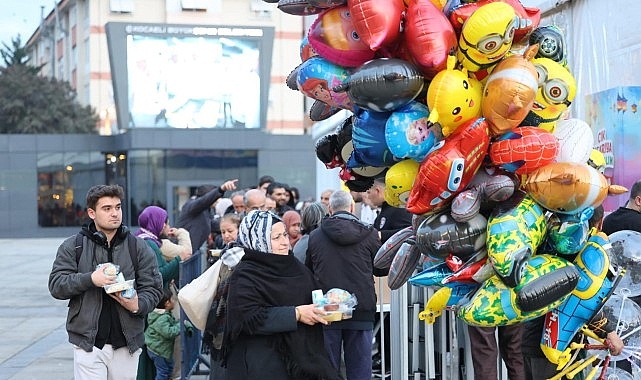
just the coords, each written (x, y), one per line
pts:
(255, 230)
(290, 217)
(151, 221)
(262, 280)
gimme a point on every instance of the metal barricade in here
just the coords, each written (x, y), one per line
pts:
(192, 360)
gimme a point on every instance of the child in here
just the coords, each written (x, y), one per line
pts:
(160, 336)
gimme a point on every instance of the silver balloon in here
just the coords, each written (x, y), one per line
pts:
(625, 314)
(626, 248)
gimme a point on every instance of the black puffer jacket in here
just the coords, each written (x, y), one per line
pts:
(340, 253)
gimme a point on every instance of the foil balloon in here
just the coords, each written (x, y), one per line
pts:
(567, 233)
(524, 149)
(486, 37)
(321, 111)
(551, 184)
(447, 297)
(306, 50)
(555, 278)
(515, 229)
(298, 7)
(557, 88)
(346, 152)
(454, 98)
(403, 264)
(368, 137)
(333, 37)
(387, 250)
(458, 11)
(429, 37)
(488, 186)
(440, 235)
(495, 304)
(378, 22)
(399, 180)
(626, 249)
(383, 84)
(448, 169)
(326, 3)
(551, 44)
(409, 133)
(595, 286)
(575, 140)
(317, 77)
(626, 315)
(510, 92)
(597, 160)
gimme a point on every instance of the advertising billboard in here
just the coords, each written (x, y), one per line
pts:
(190, 76)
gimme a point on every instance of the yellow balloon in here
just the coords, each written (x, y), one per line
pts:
(399, 180)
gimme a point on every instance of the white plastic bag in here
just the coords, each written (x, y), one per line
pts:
(196, 297)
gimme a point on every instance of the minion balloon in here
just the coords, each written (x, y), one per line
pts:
(557, 88)
(486, 37)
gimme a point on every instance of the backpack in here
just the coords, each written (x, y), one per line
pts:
(131, 240)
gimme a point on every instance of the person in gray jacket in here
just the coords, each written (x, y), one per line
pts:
(105, 329)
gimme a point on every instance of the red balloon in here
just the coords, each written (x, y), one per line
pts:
(524, 149)
(378, 22)
(448, 170)
(429, 37)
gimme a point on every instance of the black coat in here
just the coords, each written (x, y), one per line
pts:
(390, 220)
(340, 253)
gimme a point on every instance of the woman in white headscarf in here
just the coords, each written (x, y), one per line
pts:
(272, 330)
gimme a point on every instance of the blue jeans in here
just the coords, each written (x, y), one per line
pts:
(164, 366)
(358, 351)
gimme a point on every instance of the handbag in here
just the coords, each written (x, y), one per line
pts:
(196, 297)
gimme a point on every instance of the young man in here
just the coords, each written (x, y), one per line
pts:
(278, 192)
(106, 330)
(390, 219)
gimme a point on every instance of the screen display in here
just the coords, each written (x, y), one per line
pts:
(190, 76)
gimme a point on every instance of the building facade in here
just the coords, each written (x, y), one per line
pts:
(44, 178)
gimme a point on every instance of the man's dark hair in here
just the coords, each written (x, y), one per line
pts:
(636, 190)
(265, 179)
(597, 217)
(99, 191)
(275, 185)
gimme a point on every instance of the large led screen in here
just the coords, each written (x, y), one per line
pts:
(186, 76)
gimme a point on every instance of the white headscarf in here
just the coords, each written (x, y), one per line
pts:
(255, 230)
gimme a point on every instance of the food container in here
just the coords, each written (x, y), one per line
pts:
(119, 286)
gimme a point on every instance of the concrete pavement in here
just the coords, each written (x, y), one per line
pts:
(33, 339)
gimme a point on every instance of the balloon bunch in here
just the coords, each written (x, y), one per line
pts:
(461, 106)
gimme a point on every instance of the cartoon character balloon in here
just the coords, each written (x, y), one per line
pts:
(486, 36)
(454, 98)
(551, 43)
(399, 179)
(409, 133)
(448, 169)
(333, 37)
(557, 89)
(575, 140)
(510, 92)
(524, 149)
(552, 184)
(317, 77)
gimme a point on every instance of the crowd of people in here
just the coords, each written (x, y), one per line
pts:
(275, 251)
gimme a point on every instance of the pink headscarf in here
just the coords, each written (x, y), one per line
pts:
(290, 217)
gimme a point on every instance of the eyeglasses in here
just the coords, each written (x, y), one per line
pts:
(492, 42)
(554, 91)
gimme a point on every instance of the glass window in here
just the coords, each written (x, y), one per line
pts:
(63, 182)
